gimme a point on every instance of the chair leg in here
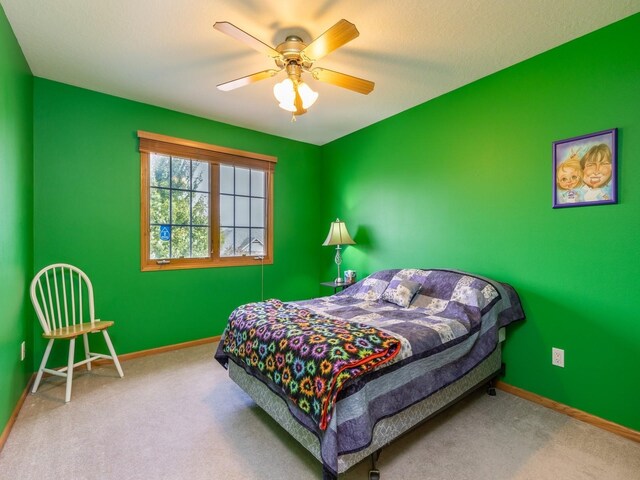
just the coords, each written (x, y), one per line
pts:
(113, 353)
(86, 350)
(43, 364)
(72, 350)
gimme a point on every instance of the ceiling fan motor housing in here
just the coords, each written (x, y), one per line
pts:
(290, 53)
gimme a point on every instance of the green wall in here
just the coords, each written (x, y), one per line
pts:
(87, 213)
(16, 217)
(464, 181)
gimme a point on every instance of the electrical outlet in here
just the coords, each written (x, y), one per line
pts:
(23, 351)
(557, 357)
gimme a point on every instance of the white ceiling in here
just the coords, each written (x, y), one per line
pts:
(166, 53)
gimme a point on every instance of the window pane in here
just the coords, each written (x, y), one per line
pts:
(226, 179)
(257, 183)
(157, 248)
(257, 212)
(226, 210)
(159, 170)
(226, 242)
(180, 173)
(200, 177)
(180, 242)
(242, 241)
(200, 209)
(257, 241)
(180, 211)
(242, 181)
(159, 205)
(242, 212)
(200, 242)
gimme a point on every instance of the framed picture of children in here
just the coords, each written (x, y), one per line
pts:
(585, 170)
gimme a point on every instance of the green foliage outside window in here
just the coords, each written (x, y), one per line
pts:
(179, 198)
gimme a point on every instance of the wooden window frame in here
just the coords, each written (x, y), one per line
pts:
(215, 155)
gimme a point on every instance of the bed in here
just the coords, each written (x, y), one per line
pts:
(419, 340)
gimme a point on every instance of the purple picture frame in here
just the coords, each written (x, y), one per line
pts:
(585, 170)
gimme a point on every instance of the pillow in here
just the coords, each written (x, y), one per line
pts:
(401, 291)
(371, 288)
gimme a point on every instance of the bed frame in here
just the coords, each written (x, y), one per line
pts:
(387, 429)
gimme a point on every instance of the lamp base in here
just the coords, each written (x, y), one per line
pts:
(338, 281)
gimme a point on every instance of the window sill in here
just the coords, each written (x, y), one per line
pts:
(186, 264)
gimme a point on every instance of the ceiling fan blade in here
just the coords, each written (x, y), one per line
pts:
(233, 31)
(356, 84)
(341, 33)
(249, 79)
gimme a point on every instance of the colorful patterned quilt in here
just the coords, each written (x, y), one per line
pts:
(308, 356)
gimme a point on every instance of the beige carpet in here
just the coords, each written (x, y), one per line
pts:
(178, 416)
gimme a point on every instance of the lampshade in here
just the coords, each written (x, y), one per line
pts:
(285, 93)
(338, 234)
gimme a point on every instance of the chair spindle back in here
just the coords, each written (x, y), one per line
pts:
(60, 293)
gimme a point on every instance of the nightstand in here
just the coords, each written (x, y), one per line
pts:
(336, 286)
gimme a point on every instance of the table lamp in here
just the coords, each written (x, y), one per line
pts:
(338, 235)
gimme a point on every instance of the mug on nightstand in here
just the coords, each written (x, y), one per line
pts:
(349, 276)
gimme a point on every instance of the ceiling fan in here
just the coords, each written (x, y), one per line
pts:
(295, 57)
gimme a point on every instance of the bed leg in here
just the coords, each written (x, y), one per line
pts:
(491, 384)
(491, 387)
(374, 473)
(327, 475)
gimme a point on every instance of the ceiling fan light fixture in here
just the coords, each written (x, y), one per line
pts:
(309, 97)
(285, 93)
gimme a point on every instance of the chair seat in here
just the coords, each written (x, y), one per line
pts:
(78, 329)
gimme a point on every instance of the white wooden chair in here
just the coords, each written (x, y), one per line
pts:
(57, 296)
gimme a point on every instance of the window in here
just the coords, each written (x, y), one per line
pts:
(203, 205)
